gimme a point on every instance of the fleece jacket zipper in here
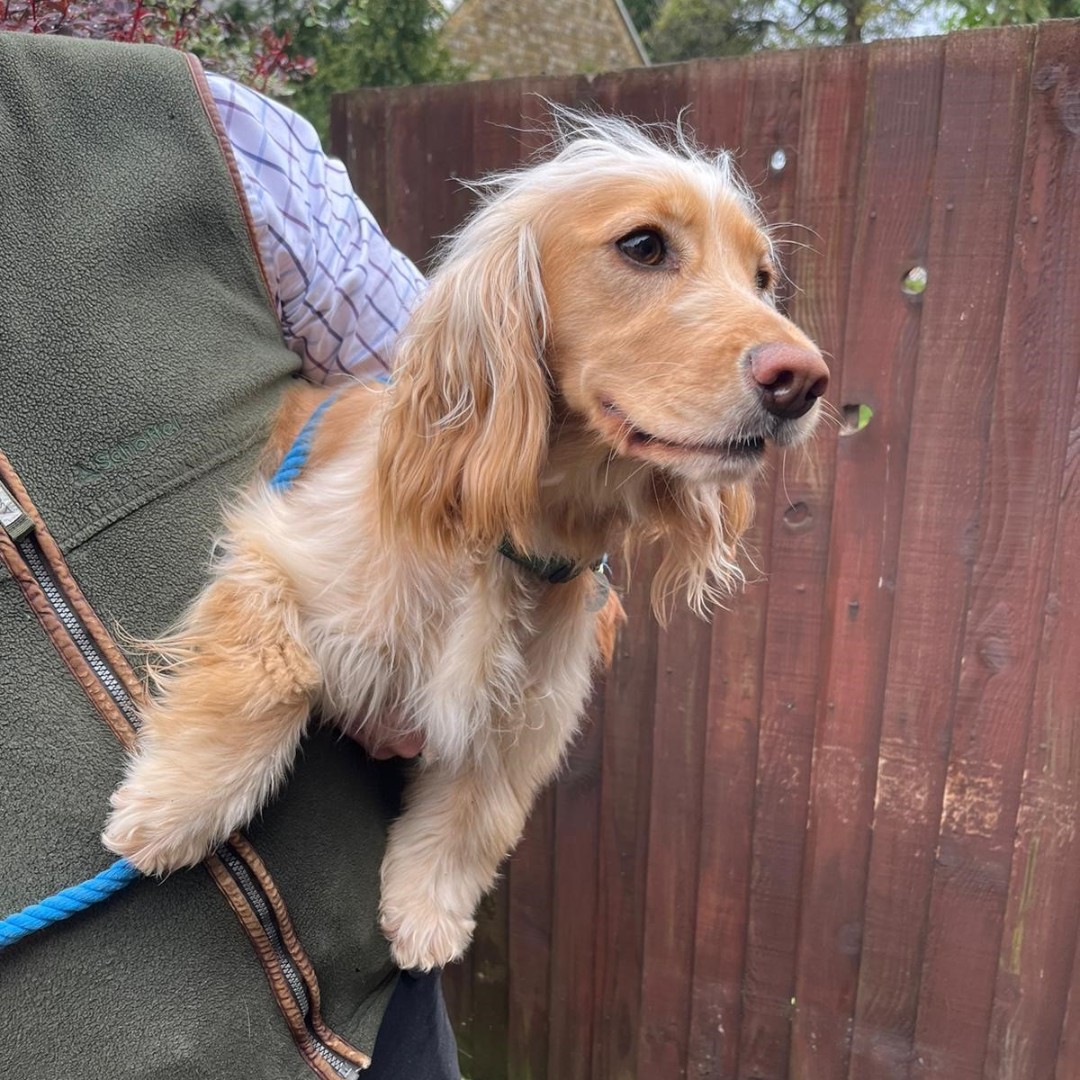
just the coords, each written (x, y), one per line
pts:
(21, 530)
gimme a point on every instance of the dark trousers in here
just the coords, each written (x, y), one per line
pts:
(415, 1040)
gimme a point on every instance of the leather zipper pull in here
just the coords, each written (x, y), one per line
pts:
(14, 521)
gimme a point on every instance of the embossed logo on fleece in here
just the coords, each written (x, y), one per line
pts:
(124, 453)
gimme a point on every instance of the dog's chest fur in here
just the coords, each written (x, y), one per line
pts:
(466, 650)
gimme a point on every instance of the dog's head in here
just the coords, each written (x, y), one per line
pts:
(621, 291)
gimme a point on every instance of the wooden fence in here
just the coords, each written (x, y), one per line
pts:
(835, 834)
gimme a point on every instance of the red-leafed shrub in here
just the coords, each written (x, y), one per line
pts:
(259, 55)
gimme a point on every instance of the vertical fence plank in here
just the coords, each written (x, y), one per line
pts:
(970, 226)
(573, 956)
(801, 510)
(429, 141)
(405, 223)
(1068, 1061)
(896, 158)
(650, 95)
(625, 780)
(530, 887)
(630, 1003)
(1040, 936)
(682, 683)
(827, 203)
(674, 797)
(358, 138)
(771, 122)
(730, 725)
(575, 941)
(987, 78)
(1042, 321)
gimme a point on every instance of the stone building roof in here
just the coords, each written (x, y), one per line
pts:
(499, 38)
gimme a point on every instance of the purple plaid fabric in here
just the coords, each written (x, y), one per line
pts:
(342, 291)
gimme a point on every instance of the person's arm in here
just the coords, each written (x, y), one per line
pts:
(343, 292)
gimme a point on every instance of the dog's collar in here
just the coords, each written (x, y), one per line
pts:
(554, 569)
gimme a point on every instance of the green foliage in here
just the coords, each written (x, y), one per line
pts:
(304, 49)
(642, 13)
(368, 43)
(253, 51)
(685, 29)
(1010, 12)
(688, 28)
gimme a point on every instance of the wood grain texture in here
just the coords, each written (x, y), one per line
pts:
(985, 96)
(729, 754)
(771, 122)
(575, 929)
(1042, 319)
(682, 685)
(358, 135)
(674, 815)
(407, 175)
(1068, 1047)
(529, 884)
(626, 777)
(627, 996)
(971, 225)
(827, 201)
(895, 159)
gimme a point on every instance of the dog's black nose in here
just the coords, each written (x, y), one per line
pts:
(790, 378)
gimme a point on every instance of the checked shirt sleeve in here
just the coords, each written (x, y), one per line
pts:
(342, 290)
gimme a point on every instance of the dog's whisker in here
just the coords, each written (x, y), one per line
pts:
(797, 245)
(783, 476)
(830, 414)
(636, 472)
(777, 225)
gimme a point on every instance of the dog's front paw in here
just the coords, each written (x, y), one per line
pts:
(424, 935)
(155, 833)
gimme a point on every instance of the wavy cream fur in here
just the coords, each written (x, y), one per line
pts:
(372, 588)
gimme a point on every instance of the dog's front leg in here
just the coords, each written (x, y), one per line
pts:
(223, 729)
(444, 851)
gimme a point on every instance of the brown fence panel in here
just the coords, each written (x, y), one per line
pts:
(828, 203)
(835, 833)
(729, 759)
(890, 235)
(941, 507)
(1042, 320)
(984, 97)
(771, 123)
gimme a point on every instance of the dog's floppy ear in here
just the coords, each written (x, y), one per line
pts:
(464, 441)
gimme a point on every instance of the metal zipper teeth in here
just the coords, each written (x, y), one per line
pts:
(35, 560)
(241, 874)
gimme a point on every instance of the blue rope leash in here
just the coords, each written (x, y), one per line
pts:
(68, 902)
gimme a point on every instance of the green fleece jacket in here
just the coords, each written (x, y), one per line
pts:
(140, 363)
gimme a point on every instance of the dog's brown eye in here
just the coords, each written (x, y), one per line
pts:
(764, 279)
(646, 246)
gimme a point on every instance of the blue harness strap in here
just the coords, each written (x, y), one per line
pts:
(292, 464)
(68, 902)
